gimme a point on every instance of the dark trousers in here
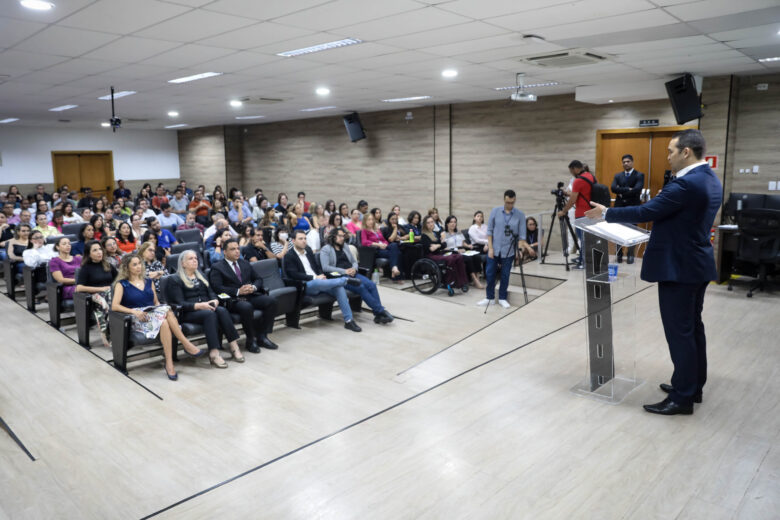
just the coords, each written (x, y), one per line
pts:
(456, 273)
(681, 305)
(213, 323)
(392, 253)
(494, 265)
(245, 308)
(367, 291)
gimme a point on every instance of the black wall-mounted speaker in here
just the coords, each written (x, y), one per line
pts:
(354, 127)
(684, 98)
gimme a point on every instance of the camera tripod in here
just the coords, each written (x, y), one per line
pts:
(565, 224)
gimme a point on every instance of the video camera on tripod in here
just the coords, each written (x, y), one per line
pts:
(565, 224)
(560, 196)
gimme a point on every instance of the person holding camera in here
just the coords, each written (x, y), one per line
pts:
(235, 282)
(579, 198)
(505, 233)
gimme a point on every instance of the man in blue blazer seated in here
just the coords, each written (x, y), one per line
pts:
(679, 257)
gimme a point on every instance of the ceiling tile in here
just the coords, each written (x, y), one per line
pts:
(627, 22)
(194, 26)
(139, 71)
(49, 78)
(396, 58)
(121, 16)
(131, 49)
(240, 61)
(651, 46)
(480, 9)
(64, 41)
(13, 31)
(713, 8)
(341, 13)
(446, 35)
(579, 12)
(83, 66)
(27, 61)
(736, 21)
(13, 9)
(256, 35)
(409, 22)
(263, 10)
(188, 56)
(512, 51)
(299, 42)
(352, 52)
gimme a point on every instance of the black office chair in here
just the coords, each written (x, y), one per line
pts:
(286, 296)
(34, 278)
(57, 305)
(72, 229)
(759, 244)
(172, 262)
(188, 235)
(187, 246)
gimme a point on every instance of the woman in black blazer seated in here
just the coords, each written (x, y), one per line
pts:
(189, 289)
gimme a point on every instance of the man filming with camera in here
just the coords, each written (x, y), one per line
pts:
(580, 199)
(505, 232)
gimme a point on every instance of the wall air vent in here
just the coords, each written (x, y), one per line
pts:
(257, 100)
(136, 120)
(568, 58)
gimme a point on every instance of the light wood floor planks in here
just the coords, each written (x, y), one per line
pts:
(378, 425)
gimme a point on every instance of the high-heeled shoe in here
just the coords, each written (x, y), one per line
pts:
(200, 353)
(237, 357)
(172, 377)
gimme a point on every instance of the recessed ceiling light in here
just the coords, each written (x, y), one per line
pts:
(63, 107)
(611, 100)
(316, 109)
(173, 113)
(185, 79)
(767, 60)
(320, 47)
(235, 103)
(322, 91)
(37, 5)
(250, 117)
(402, 99)
(9, 120)
(529, 85)
(449, 73)
(177, 126)
(105, 125)
(118, 95)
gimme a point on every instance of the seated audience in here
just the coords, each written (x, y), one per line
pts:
(159, 198)
(240, 214)
(344, 211)
(153, 268)
(95, 277)
(397, 210)
(455, 241)
(138, 225)
(134, 294)
(179, 204)
(281, 204)
(220, 223)
(112, 253)
(260, 208)
(214, 246)
(438, 225)
(370, 236)
(413, 225)
(377, 213)
(330, 208)
(143, 207)
(478, 232)
(434, 248)
(237, 284)
(532, 238)
(301, 264)
(100, 207)
(281, 243)
(257, 250)
(219, 208)
(355, 222)
(190, 290)
(41, 207)
(334, 221)
(63, 267)
(191, 223)
(41, 225)
(165, 239)
(245, 235)
(98, 225)
(302, 199)
(6, 234)
(39, 253)
(167, 218)
(201, 207)
(335, 257)
(125, 238)
(85, 234)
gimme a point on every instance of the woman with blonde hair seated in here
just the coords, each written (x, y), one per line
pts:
(200, 305)
(134, 294)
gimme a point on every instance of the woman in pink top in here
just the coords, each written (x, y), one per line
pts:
(372, 237)
(354, 224)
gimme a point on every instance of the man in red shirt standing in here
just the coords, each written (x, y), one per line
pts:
(580, 199)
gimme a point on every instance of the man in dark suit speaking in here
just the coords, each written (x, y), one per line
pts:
(679, 257)
(627, 187)
(234, 277)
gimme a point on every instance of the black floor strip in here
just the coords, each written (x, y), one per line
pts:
(16, 439)
(372, 416)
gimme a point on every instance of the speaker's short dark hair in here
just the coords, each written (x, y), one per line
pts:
(627, 156)
(510, 194)
(575, 164)
(692, 139)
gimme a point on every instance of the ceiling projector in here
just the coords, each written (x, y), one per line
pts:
(523, 96)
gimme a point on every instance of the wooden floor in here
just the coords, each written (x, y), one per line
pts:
(448, 412)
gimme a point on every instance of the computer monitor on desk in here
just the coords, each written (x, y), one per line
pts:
(772, 202)
(739, 201)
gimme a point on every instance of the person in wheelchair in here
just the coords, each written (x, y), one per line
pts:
(336, 258)
(435, 249)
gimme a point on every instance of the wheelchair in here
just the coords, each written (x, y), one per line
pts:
(428, 276)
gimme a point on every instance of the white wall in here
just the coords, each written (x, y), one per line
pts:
(138, 154)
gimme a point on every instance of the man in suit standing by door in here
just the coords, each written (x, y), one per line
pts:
(627, 187)
(233, 276)
(679, 257)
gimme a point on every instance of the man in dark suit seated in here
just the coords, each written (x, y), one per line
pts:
(301, 264)
(234, 277)
(627, 187)
(679, 257)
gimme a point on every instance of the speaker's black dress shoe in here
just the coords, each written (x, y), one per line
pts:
(252, 347)
(668, 388)
(669, 407)
(267, 343)
(351, 325)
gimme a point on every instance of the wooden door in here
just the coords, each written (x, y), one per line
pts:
(659, 162)
(84, 169)
(614, 147)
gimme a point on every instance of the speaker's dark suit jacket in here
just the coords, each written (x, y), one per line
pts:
(628, 188)
(679, 257)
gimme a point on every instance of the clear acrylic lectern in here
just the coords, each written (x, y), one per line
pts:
(611, 311)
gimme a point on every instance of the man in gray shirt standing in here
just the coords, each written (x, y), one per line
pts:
(505, 232)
